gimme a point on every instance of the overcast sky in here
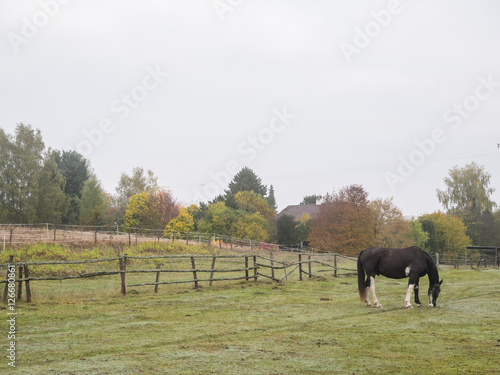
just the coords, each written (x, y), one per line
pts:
(312, 95)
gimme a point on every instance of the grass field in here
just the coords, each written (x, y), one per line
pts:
(317, 326)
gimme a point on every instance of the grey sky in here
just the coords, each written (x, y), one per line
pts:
(196, 89)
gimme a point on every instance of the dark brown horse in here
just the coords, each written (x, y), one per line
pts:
(412, 262)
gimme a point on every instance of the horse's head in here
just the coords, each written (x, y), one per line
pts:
(434, 291)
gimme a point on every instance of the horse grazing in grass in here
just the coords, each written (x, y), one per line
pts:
(412, 262)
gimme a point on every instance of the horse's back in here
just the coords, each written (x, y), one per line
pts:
(393, 263)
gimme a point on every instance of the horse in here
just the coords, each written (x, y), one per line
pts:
(412, 262)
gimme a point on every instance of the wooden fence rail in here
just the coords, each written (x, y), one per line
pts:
(12, 235)
(258, 269)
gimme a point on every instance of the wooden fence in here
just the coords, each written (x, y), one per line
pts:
(15, 235)
(154, 269)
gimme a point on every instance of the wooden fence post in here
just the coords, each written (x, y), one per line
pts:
(123, 266)
(335, 265)
(255, 268)
(246, 268)
(194, 273)
(6, 289)
(95, 238)
(157, 278)
(20, 284)
(271, 256)
(310, 267)
(300, 267)
(212, 273)
(28, 290)
(55, 234)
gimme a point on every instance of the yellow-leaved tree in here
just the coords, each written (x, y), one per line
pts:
(152, 210)
(181, 224)
(252, 202)
(138, 213)
(446, 233)
(252, 227)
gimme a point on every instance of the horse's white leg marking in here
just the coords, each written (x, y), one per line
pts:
(408, 296)
(431, 304)
(375, 300)
(407, 271)
(367, 298)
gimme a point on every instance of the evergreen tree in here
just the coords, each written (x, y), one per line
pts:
(75, 169)
(311, 199)
(286, 230)
(244, 180)
(271, 200)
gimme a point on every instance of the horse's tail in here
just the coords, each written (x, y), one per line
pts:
(361, 280)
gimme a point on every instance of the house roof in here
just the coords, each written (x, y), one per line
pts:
(298, 210)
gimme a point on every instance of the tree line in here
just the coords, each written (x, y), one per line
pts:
(40, 185)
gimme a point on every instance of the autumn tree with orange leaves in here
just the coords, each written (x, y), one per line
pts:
(151, 210)
(345, 222)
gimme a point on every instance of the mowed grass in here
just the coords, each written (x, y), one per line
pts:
(317, 326)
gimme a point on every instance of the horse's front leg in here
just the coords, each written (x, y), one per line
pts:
(415, 290)
(412, 286)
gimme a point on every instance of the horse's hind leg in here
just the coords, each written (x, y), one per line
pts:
(367, 286)
(375, 300)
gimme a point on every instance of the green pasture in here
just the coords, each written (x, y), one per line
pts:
(317, 326)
